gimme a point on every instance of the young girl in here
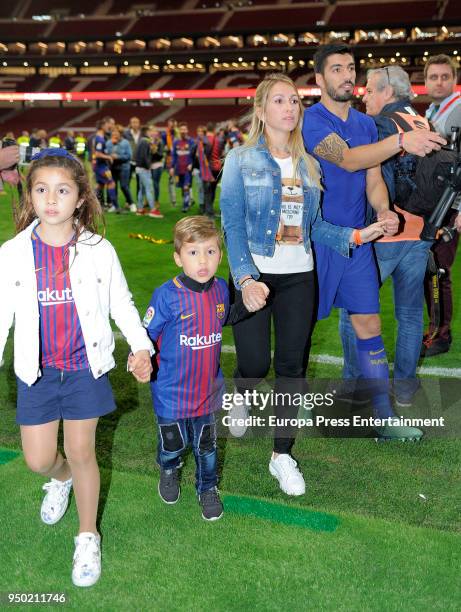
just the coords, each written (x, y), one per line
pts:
(60, 281)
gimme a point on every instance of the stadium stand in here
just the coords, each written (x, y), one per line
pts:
(390, 13)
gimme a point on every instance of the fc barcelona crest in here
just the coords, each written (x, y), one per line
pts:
(220, 310)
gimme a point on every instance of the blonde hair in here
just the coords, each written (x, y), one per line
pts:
(195, 229)
(295, 141)
(88, 216)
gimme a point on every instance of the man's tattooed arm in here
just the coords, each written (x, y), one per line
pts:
(332, 149)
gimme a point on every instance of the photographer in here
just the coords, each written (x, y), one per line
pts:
(445, 110)
(9, 158)
(403, 256)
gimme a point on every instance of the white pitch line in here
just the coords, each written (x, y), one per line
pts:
(338, 361)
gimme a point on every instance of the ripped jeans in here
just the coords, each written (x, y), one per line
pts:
(174, 436)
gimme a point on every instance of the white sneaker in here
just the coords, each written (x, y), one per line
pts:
(112, 209)
(86, 567)
(285, 469)
(237, 415)
(56, 500)
(133, 208)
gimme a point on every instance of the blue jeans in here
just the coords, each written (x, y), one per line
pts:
(406, 262)
(145, 187)
(156, 176)
(174, 436)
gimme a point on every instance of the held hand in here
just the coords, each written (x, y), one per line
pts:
(254, 296)
(391, 220)
(140, 366)
(458, 222)
(373, 231)
(422, 142)
(9, 156)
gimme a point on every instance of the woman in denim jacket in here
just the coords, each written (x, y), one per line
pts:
(270, 197)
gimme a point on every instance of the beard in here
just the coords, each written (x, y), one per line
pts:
(339, 97)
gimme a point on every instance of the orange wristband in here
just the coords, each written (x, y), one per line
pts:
(357, 238)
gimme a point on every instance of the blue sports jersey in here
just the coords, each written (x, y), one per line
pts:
(61, 339)
(345, 283)
(344, 197)
(99, 146)
(187, 327)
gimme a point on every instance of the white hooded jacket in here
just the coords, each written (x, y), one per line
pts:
(99, 289)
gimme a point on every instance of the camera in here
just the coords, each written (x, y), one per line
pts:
(9, 142)
(451, 195)
(25, 152)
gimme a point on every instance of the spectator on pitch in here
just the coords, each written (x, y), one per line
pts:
(157, 150)
(81, 146)
(345, 143)
(169, 136)
(69, 141)
(217, 141)
(34, 140)
(445, 110)
(181, 164)
(270, 204)
(101, 162)
(120, 151)
(133, 134)
(403, 256)
(143, 170)
(202, 159)
(196, 175)
(42, 138)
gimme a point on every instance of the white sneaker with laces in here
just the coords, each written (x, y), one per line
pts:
(237, 415)
(86, 567)
(285, 469)
(133, 208)
(56, 500)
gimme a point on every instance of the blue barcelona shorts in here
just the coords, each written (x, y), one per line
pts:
(61, 394)
(102, 174)
(184, 180)
(350, 283)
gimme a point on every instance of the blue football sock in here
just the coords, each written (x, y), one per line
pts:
(375, 369)
(186, 198)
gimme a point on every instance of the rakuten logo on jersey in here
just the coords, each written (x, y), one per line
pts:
(53, 297)
(199, 342)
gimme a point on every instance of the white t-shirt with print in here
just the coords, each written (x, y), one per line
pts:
(290, 255)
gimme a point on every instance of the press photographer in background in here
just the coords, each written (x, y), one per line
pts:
(444, 112)
(9, 158)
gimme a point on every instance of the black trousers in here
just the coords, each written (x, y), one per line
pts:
(291, 308)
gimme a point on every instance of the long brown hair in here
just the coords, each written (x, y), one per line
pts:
(295, 142)
(88, 216)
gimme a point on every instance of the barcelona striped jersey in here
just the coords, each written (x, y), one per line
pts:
(61, 339)
(187, 327)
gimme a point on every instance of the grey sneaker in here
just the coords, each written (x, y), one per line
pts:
(168, 486)
(212, 508)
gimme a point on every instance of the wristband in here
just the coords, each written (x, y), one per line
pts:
(247, 282)
(401, 135)
(356, 237)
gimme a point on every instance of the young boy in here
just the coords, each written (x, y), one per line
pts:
(185, 318)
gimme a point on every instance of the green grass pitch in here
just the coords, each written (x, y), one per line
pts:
(378, 528)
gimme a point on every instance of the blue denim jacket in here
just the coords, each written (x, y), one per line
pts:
(251, 203)
(123, 150)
